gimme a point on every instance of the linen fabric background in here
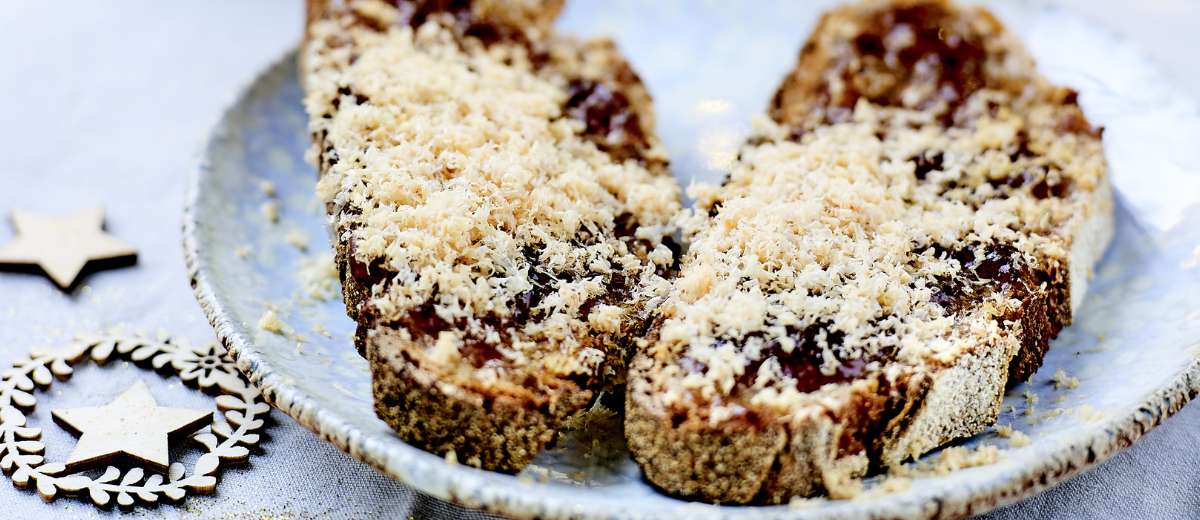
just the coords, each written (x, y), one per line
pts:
(107, 102)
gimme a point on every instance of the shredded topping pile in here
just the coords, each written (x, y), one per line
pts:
(876, 228)
(457, 171)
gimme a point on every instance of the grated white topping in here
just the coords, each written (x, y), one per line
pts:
(836, 231)
(453, 158)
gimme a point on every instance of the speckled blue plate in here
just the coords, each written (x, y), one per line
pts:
(1132, 347)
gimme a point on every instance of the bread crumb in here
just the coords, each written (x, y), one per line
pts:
(1087, 414)
(1004, 430)
(299, 349)
(244, 251)
(547, 474)
(270, 211)
(321, 330)
(297, 239)
(270, 323)
(805, 502)
(1030, 398)
(1029, 411)
(1060, 378)
(1018, 439)
(267, 187)
(887, 485)
(1059, 399)
(950, 460)
(319, 276)
(582, 418)
(451, 458)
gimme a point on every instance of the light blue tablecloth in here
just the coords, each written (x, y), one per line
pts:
(107, 101)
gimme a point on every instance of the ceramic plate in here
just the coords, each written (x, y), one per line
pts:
(1132, 347)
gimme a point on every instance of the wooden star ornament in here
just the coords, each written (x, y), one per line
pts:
(62, 246)
(133, 428)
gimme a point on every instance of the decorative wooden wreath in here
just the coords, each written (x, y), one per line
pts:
(208, 367)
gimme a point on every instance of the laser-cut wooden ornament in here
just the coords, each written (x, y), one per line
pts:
(62, 246)
(207, 366)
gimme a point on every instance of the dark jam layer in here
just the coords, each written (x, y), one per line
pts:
(803, 363)
(415, 13)
(424, 322)
(1043, 294)
(1033, 178)
(1000, 269)
(941, 55)
(612, 124)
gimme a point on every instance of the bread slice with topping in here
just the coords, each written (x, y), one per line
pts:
(501, 210)
(899, 240)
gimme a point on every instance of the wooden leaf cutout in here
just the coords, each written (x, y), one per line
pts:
(235, 453)
(10, 415)
(73, 483)
(30, 446)
(173, 493)
(46, 488)
(23, 382)
(222, 430)
(21, 477)
(124, 499)
(99, 496)
(201, 484)
(143, 353)
(53, 469)
(161, 360)
(109, 475)
(133, 477)
(147, 496)
(61, 369)
(207, 439)
(42, 376)
(229, 402)
(23, 400)
(176, 472)
(207, 464)
(228, 382)
(102, 351)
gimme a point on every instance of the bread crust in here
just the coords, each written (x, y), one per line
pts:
(881, 419)
(501, 432)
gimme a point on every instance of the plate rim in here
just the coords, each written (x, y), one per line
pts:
(468, 487)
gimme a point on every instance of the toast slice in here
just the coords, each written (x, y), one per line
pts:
(500, 206)
(894, 245)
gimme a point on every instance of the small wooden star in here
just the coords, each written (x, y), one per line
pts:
(62, 246)
(133, 428)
